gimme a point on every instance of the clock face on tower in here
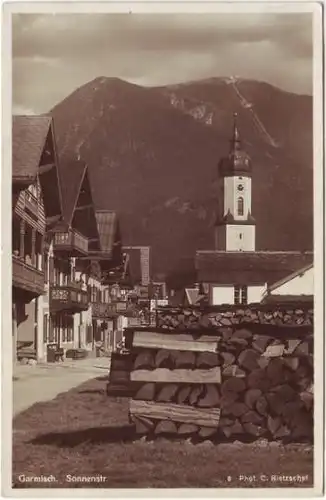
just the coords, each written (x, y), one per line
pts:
(240, 187)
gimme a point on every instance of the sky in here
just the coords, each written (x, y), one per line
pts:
(53, 54)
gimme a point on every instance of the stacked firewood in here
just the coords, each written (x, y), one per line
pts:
(186, 318)
(229, 381)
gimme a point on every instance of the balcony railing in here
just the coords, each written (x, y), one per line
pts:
(101, 310)
(71, 242)
(27, 277)
(68, 297)
(104, 310)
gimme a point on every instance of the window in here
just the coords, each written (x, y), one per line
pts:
(240, 205)
(67, 323)
(244, 295)
(240, 236)
(241, 294)
(237, 295)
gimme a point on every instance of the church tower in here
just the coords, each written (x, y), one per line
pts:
(235, 227)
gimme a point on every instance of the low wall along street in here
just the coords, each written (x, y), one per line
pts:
(223, 372)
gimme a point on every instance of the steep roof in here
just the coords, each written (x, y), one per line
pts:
(29, 134)
(71, 174)
(107, 225)
(248, 268)
(291, 276)
(287, 299)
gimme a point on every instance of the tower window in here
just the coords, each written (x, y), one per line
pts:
(240, 236)
(240, 205)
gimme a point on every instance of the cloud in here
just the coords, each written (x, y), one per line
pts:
(53, 54)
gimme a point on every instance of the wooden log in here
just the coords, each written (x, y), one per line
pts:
(274, 351)
(234, 429)
(146, 392)
(210, 398)
(252, 416)
(143, 425)
(119, 377)
(238, 342)
(196, 392)
(292, 345)
(202, 417)
(282, 432)
(226, 421)
(184, 359)
(242, 333)
(262, 406)
(284, 392)
(251, 397)
(212, 376)
(183, 394)
(248, 359)
(308, 400)
(226, 332)
(167, 393)
(291, 362)
(263, 362)
(172, 341)
(207, 360)
(275, 371)
(275, 403)
(228, 358)
(233, 371)
(233, 384)
(257, 379)
(273, 424)
(205, 432)
(302, 349)
(254, 429)
(187, 429)
(145, 360)
(163, 359)
(228, 398)
(166, 427)
(236, 409)
(260, 342)
(291, 409)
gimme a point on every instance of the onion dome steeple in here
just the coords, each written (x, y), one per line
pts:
(238, 161)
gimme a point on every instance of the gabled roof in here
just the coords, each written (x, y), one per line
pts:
(29, 134)
(34, 156)
(290, 277)
(108, 228)
(192, 295)
(248, 268)
(71, 173)
(287, 299)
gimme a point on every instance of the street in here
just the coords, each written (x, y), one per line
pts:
(43, 382)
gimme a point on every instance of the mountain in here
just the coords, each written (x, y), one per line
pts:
(153, 155)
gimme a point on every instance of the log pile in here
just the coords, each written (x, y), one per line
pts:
(236, 380)
(227, 316)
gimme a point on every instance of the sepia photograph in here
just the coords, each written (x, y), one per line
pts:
(163, 168)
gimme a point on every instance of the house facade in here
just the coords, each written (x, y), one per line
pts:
(34, 212)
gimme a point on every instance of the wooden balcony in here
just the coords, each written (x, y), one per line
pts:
(70, 298)
(26, 279)
(71, 243)
(102, 310)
